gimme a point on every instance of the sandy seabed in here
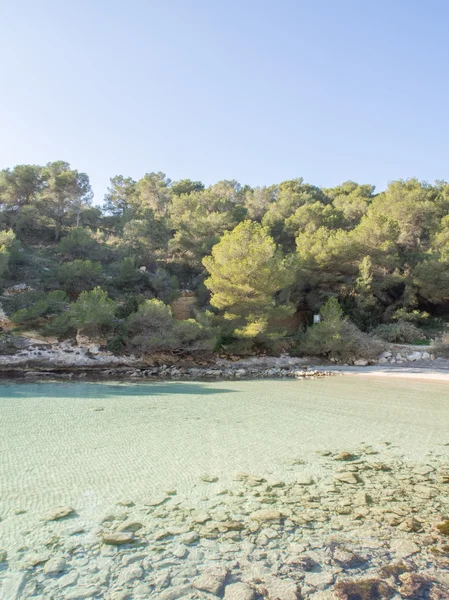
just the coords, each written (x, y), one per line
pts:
(185, 471)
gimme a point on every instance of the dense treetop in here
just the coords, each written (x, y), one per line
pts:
(261, 260)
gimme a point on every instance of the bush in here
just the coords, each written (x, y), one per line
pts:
(402, 332)
(336, 337)
(78, 275)
(42, 308)
(154, 329)
(93, 313)
(79, 243)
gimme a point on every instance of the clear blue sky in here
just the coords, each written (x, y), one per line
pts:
(254, 90)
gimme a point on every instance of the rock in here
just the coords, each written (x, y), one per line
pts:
(211, 580)
(117, 538)
(413, 356)
(410, 525)
(129, 574)
(82, 593)
(281, 589)
(156, 501)
(54, 566)
(201, 518)
(208, 478)
(424, 491)
(266, 515)
(190, 537)
(404, 548)
(346, 559)
(59, 513)
(423, 470)
(346, 477)
(68, 580)
(3, 555)
(345, 456)
(361, 499)
(413, 585)
(174, 593)
(34, 560)
(239, 591)
(126, 502)
(304, 480)
(130, 525)
(320, 580)
(361, 362)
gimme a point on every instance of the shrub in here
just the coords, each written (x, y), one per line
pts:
(45, 306)
(78, 275)
(415, 316)
(79, 243)
(336, 337)
(402, 332)
(93, 313)
(154, 329)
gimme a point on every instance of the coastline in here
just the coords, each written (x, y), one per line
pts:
(427, 373)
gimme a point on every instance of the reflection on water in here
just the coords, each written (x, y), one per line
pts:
(199, 490)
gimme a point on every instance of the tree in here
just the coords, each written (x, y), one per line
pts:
(200, 218)
(120, 197)
(152, 192)
(186, 186)
(78, 275)
(42, 307)
(93, 313)
(79, 243)
(258, 200)
(290, 196)
(20, 186)
(65, 194)
(246, 269)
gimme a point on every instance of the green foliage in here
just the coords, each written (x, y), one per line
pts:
(402, 332)
(245, 270)
(154, 329)
(78, 275)
(79, 243)
(44, 307)
(414, 316)
(336, 337)
(93, 313)
(7, 244)
(200, 218)
(385, 256)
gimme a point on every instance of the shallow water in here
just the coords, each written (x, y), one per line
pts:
(89, 445)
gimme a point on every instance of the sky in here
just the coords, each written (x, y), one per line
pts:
(254, 90)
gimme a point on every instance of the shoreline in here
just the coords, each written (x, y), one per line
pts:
(172, 373)
(420, 373)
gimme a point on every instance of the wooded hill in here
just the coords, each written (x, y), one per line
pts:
(261, 261)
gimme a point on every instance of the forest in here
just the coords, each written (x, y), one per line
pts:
(259, 261)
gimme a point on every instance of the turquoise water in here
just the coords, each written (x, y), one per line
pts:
(91, 443)
(141, 452)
